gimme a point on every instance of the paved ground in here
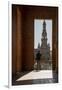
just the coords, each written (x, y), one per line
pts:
(35, 77)
(40, 74)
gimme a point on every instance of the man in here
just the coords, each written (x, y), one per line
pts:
(38, 55)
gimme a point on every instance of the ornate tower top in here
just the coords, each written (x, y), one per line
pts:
(44, 25)
(44, 33)
(44, 36)
(45, 48)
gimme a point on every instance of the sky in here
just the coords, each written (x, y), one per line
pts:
(38, 28)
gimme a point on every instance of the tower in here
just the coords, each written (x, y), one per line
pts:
(45, 49)
(44, 36)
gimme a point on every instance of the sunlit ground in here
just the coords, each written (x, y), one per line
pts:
(41, 74)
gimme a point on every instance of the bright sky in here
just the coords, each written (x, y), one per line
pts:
(38, 28)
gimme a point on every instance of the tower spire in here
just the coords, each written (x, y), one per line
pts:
(44, 46)
(44, 25)
(44, 33)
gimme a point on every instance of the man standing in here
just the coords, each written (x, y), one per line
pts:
(38, 55)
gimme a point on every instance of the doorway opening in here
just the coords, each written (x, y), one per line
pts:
(43, 44)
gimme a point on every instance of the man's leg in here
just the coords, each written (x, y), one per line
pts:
(37, 64)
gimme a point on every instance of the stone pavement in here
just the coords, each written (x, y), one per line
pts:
(35, 77)
(40, 74)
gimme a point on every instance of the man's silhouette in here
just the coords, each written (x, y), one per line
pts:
(38, 56)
